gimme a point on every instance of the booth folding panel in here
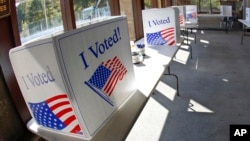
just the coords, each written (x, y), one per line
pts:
(74, 82)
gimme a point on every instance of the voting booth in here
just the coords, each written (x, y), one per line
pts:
(72, 83)
(162, 29)
(191, 14)
(182, 14)
(248, 14)
(226, 10)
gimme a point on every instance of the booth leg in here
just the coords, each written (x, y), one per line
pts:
(177, 80)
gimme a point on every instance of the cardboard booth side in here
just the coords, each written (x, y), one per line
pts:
(182, 15)
(74, 82)
(248, 14)
(191, 14)
(43, 89)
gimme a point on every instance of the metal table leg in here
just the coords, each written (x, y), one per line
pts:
(177, 80)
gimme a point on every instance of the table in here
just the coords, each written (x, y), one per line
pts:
(246, 26)
(227, 22)
(213, 15)
(185, 28)
(156, 62)
(153, 115)
(148, 74)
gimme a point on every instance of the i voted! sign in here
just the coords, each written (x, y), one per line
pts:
(182, 14)
(161, 29)
(97, 64)
(191, 13)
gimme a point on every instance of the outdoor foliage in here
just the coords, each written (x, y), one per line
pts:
(30, 12)
(147, 3)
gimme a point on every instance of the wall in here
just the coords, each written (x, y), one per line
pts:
(13, 110)
(10, 124)
(126, 8)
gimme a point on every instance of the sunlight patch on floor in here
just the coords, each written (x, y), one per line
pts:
(204, 41)
(182, 56)
(194, 106)
(184, 47)
(225, 80)
(197, 64)
(166, 90)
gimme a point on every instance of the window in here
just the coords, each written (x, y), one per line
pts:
(207, 6)
(90, 10)
(147, 4)
(38, 18)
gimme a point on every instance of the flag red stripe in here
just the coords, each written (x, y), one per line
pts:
(56, 97)
(167, 31)
(123, 73)
(172, 43)
(110, 63)
(112, 83)
(107, 62)
(181, 20)
(165, 35)
(170, 28)
(62, 112)
(59, 105)
(76, 129)
(69, 120)
(115, 71)
(114, 63)
(169, 38)
(117, 75)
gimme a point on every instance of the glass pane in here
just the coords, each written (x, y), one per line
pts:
(215, 6)
(204, 6)
(38, 18)
(90, 10)
(147, 4)
(195, 2)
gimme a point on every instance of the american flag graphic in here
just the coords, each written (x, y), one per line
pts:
(191, 15)
(56, 112)
(162, 37)
(181, 19)
(105, 78)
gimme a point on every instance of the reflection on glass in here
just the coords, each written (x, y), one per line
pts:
(90, 10)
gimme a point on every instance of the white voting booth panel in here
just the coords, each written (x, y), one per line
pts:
(191, 13)
(248, 14)
(161, 27)
(182, 14)
(226, 10)
(73, 83)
